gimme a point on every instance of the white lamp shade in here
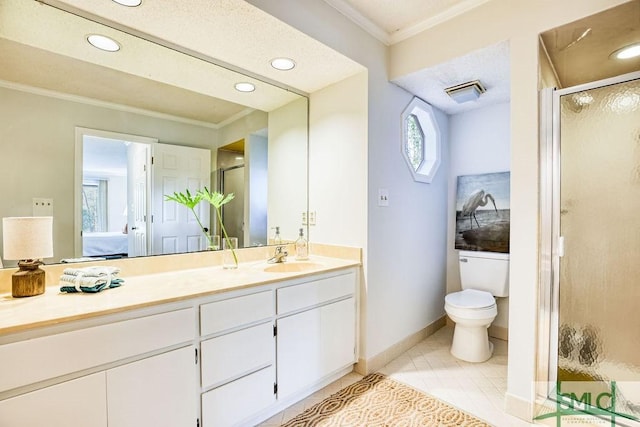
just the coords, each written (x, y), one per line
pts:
(27, 237)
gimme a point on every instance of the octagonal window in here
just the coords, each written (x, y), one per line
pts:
(420, 140)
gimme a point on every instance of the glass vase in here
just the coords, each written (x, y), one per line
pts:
(229, 255)
(214, 243)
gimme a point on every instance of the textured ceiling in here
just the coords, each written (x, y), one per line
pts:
(580, 51)
(84, 79)
(394, 20)
(35, 37)
(489, 65)
(231, 31)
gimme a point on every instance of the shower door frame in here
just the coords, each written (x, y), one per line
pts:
(550, 243)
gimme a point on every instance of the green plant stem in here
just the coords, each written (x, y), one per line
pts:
(224, 231)
(202, 228)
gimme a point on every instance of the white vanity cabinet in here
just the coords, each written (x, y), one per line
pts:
(126, 396)
(316, 330)
(134, 372)
(264, 350)
(231, 358)
(238, 358)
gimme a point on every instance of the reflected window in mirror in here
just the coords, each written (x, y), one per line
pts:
(94, 205)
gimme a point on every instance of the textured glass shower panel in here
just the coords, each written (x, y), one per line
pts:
(599, 307)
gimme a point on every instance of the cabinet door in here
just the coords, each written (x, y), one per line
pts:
(314, 344)
(159, 391)
(79, 402)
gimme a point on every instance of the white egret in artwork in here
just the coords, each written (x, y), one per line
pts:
(476, 199)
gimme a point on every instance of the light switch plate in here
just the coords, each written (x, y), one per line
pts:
(42, 206)
(383, 197)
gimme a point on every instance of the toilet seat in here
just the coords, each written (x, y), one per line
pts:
(470, 299)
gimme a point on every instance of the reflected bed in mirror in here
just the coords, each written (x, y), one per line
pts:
(56, 89)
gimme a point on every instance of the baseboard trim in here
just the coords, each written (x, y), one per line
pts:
(518, 407)
(375, 363)
(499, 332)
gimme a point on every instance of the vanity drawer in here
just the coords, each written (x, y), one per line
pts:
(239, 400)
(38, 359)
(234, 312)
(237, 353)
(297, 297)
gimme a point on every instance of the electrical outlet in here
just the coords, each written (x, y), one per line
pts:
(312, 218)
(42, 206)
(383, 197)
(304, 219)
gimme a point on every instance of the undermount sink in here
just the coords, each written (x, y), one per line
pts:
(292, 267)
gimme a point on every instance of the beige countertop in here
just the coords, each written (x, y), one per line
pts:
(54, 307)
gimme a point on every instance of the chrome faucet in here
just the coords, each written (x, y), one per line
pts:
(279, 256)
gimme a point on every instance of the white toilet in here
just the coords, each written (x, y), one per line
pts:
(483, 275)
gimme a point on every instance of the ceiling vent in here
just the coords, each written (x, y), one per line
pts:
(465, 92)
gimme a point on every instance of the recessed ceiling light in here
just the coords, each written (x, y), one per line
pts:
(283, 64)
(103, 42)
(245, 87)
(627, 52)
(129, 3)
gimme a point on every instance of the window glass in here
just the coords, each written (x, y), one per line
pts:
(415, 141)
(94, 206)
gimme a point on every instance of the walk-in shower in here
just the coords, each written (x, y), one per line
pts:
(591, 253)
(588, 349)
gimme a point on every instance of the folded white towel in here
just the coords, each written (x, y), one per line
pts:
(94, 271)
(87, 281)
(89, 277)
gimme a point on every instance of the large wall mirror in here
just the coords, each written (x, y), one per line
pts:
(98, 139)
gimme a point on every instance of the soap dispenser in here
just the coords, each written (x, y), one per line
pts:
(302, 247)
(277, 240)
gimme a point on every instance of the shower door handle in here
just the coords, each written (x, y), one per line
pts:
(560, 246)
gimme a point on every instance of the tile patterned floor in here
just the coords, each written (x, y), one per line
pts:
(477, 388)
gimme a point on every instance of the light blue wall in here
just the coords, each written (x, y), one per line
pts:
(405, 267)
(479, 142)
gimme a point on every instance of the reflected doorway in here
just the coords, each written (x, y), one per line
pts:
(242, 170)
(232, 181)
(113, 195)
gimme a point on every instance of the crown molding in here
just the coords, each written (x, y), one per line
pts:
(359, 19)
(421, 26)
(388, 39)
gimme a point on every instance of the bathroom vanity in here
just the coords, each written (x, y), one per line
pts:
(202, 347)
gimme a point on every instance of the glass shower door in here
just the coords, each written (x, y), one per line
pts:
(598, 342)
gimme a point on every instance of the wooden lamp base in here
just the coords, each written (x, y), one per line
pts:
(29, 280)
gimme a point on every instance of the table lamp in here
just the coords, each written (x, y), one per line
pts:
(27, 240)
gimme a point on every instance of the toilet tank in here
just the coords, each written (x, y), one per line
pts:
(485, 271)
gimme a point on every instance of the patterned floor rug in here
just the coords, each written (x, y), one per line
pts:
(377, 400)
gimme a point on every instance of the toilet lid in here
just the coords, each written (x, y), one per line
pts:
(470, 298)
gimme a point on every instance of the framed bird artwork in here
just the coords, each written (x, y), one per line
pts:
(482, 212)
